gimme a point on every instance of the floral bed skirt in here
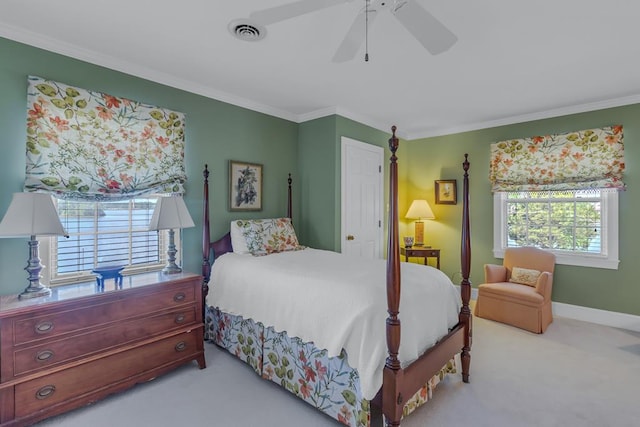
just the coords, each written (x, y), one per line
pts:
(328, 383)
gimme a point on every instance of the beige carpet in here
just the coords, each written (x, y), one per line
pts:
(576, 374)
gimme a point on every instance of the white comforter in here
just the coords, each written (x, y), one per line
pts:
(337, 302)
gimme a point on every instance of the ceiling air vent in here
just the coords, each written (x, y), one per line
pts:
(246, 30)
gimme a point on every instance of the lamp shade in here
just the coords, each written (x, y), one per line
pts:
(420, 209)
(170, 212)
(31, 214)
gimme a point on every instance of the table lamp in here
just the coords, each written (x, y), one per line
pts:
(171, 212)
(32, 214)
(419, 210)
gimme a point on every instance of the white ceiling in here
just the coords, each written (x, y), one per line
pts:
(514, 60)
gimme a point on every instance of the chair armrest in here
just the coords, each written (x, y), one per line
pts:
(544, 285)
(494, 273)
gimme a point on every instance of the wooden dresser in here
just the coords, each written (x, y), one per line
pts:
(82, 344)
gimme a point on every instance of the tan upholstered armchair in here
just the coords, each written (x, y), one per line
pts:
(519, 291)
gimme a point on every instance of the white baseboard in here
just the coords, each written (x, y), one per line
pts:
(593, 315)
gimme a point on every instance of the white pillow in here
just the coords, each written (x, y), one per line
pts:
(238, 242)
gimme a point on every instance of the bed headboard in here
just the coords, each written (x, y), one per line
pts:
(211, 250)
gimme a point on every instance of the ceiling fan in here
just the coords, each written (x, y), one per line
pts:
(431, 33)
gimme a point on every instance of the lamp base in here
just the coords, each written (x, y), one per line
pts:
(171, 266)
(419, 233)
(171, 269)
(35, 292)
(35, 288)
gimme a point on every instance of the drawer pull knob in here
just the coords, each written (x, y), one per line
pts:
(46, 391)
(181, 346)
(179, 297)
(44, 327)
(44, 355)
(180, 318)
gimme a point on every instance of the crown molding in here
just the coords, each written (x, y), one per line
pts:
(540, 115)
(317, 114)
(53, 45)
(343, 112)
(76, 52)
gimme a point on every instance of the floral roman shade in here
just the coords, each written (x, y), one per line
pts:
(586, 159)
(89, 145)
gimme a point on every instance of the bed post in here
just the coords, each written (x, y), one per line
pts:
(392, 399)
(206, 248)
(465, 286)
(289, 212)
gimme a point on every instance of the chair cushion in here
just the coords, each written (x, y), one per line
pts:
(512, 291)
(524, 276)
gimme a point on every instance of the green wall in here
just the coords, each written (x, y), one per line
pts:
(319, 160)
(435, 158)
(317, 166)
(216, 132)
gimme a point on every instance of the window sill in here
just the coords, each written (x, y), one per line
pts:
(563, 258)
(70, 279)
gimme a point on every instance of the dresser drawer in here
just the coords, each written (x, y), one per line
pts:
(80, 381)
(101, 311)
(51, 353)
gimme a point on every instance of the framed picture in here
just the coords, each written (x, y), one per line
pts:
(446, 192)
(245, 186)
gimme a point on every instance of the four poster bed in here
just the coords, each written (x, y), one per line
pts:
(266, 307)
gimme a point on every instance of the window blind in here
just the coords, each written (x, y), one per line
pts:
(87, 145)
(592, 158)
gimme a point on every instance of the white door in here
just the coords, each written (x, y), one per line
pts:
(362, 199)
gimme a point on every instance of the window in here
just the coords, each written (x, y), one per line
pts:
(104, 233)
(579, 226)
(103, 154)
(559, 192)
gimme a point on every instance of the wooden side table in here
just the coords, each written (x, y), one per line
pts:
(421, 252)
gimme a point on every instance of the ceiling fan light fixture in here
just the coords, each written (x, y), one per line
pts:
(247, 30)
(432, 34)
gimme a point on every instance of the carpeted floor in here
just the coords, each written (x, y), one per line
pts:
(576, 374)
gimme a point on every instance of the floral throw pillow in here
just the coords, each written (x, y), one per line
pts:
(524, 276)
(267, 236)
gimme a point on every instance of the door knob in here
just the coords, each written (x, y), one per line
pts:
(350, 237)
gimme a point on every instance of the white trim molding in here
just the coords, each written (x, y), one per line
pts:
(612, 319)
(594, 315)
(609, 258)
(35, 39)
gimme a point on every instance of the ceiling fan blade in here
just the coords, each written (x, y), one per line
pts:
(354, 38)
(430, 32)
(291, 10)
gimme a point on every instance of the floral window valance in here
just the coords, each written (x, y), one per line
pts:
(89, 145)
(586, 159)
